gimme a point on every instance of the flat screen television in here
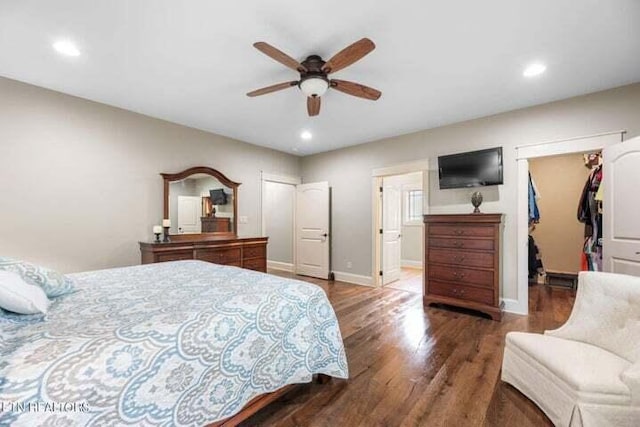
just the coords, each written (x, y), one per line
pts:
(472, 169)
(218, 197)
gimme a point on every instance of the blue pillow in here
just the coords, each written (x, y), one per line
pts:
(53, 284)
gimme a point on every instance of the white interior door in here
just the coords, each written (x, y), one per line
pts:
(312, 230)
(189, 213)
(621, 205)
(391, 231)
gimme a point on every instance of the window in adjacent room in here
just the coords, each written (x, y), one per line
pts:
(413, 207)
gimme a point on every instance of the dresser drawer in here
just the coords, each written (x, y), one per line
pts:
(480, 244)
(458, 291)
(258, 264)
(219, 256)
(463, 275)
(174, 256)
(463, 258)
(458, 230)
(254, 252)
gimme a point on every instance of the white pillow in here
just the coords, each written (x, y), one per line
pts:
(18, 296)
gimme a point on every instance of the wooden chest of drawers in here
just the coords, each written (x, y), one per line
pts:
(248, 252)
(462, 261)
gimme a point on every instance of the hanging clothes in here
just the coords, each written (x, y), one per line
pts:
(590, 213)
(534, 212)
(536, 267)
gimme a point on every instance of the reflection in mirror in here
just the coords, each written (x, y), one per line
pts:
(200, 203)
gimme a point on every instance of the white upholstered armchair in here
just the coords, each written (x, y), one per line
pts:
(587, 372)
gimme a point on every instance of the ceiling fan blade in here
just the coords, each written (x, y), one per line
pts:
(356, 89)
(279, 56)
(273, 88)
(313, 105)
(349, 55)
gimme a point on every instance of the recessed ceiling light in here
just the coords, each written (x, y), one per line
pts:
(535, 69)
(66, 47)
(306, 135)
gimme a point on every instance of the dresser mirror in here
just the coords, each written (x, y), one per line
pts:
(200, 201)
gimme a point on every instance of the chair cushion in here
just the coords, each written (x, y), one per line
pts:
(593, 373)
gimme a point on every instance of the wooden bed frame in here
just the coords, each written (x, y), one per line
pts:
(261, 401)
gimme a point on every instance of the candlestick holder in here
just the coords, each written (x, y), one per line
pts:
(166, 238)
(157, 237)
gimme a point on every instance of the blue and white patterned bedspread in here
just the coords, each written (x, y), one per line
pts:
(179, 343)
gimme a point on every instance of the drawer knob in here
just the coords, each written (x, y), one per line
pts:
(459, 232)
(459, 258)
(458, 244)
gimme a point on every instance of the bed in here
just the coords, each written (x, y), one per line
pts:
(183, 343)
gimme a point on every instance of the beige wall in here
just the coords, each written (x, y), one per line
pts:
(79, 183)
(349, 170)
(559, 235)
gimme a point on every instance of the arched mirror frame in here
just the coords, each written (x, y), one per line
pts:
(172, 177)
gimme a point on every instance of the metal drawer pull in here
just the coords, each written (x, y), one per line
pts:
(459, 258)
(458, 275)
(459, 232)
(458, 244)
(458, 291)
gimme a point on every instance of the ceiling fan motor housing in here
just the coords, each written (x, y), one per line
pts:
(313, 82)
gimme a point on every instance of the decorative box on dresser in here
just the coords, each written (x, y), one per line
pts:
(245, 252)
(462, 261)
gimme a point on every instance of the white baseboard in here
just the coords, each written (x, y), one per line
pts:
(283, 266)
(356, 279)
(409, 263)
(514, 306)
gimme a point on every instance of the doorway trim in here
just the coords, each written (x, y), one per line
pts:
(580, 144)
(281, 179)
(376, 206)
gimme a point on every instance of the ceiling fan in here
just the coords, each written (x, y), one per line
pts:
(314, 73)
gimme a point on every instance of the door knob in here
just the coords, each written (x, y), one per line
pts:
(325, 235)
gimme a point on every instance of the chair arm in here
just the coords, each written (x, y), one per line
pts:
(631, 377)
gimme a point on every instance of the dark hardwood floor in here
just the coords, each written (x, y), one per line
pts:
(417, 366)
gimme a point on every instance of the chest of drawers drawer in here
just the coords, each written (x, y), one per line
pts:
(254, 252)
(484, 278)
(460, 291)
(220, 256)
(174, 256)
(258, 264)
(475, 244)
(462, 258)
(456, 230)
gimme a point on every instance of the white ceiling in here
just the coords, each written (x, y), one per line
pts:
(436, 62)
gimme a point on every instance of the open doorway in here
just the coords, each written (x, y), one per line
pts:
(565, 225)
(399, 205)
(524, 155)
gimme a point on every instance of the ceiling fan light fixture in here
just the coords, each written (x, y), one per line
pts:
(314, 86)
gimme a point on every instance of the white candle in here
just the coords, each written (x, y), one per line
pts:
(157, 229)
(166, 223)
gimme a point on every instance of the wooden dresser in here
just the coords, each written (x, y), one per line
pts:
(462, 261)
(245, 252)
